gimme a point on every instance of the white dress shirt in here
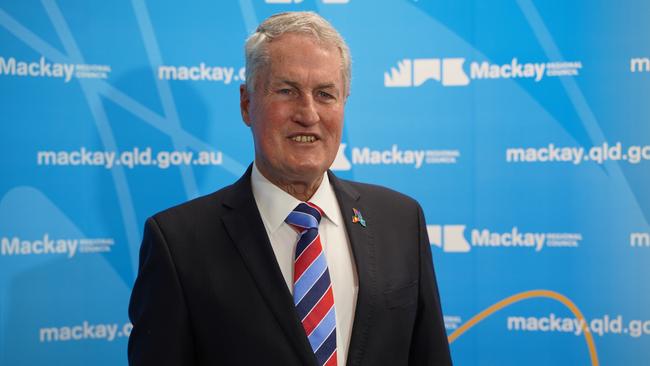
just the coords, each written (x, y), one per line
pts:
(275, 205)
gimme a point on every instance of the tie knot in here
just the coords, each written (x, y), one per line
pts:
(305, 216)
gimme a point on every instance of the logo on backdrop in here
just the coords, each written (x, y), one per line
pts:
(46, 245)
(395, 155)
(640, 64)
(640, 240)
(452, 321)
(202, 72)
(415, 72)
(128, 158)
(42, 68)
(451, 239)
(608, 324)
(551, 153)
(451, 72)
(85, 331)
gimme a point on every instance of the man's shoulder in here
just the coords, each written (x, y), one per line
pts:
(373, 194)
(192, 211)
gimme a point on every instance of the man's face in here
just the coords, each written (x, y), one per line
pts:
(296, 110)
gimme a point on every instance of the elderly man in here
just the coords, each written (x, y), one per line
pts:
(289, 265)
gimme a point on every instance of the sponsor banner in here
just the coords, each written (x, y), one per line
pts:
(135, 157)
(633, 154)
(522, 135)
(84, 331)
(450, 71)
(600, 326)
(42, 68)
(452, 239)
(395, 155)
(202, 72)
(48, 245)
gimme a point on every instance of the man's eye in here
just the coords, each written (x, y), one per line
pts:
(325, 95)
(285, 91)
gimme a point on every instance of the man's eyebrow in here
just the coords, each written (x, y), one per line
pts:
(289, 82)
(327, 86)
(282, 81)
(295, 84)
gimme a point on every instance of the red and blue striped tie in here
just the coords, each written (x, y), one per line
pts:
(312, 288)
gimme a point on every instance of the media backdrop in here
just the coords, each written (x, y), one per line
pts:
(522, 127)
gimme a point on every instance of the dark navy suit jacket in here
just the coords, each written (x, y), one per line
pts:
(210, 292)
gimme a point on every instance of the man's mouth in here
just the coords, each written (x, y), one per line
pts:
(304, 138)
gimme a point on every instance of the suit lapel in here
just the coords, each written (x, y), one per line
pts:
(246, 228)
(363, 249)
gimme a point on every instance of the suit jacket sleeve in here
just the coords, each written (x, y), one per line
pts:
(429, 344)
(161, 332)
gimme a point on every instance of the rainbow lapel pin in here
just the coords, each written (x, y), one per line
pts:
(356, 217)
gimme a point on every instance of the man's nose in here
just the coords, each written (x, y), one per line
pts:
(306, 112)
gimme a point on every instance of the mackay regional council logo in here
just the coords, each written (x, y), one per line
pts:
(452, 239)
(451, 71)
(392, 155)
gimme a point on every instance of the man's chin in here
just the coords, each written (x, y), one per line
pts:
(307, 174)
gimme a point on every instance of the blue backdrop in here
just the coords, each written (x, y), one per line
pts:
(521, 126)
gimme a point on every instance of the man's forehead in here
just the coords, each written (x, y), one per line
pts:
(322, 77)
(302, 60)
(299, 47)
(296, 37)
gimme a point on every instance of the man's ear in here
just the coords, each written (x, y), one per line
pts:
(244, 103)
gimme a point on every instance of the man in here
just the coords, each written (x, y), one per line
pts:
(290, 265)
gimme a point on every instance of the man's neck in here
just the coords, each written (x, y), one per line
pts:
(302, 191)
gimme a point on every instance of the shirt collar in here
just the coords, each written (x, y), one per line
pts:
(275, 204)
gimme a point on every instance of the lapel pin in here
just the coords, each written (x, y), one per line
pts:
(358, 218)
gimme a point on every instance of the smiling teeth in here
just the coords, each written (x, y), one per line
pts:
(304, 138)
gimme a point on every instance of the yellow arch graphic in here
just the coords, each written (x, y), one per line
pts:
(529, 295)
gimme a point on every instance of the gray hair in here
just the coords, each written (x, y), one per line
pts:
(302, 22)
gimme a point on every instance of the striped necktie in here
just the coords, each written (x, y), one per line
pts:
(312, 288)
